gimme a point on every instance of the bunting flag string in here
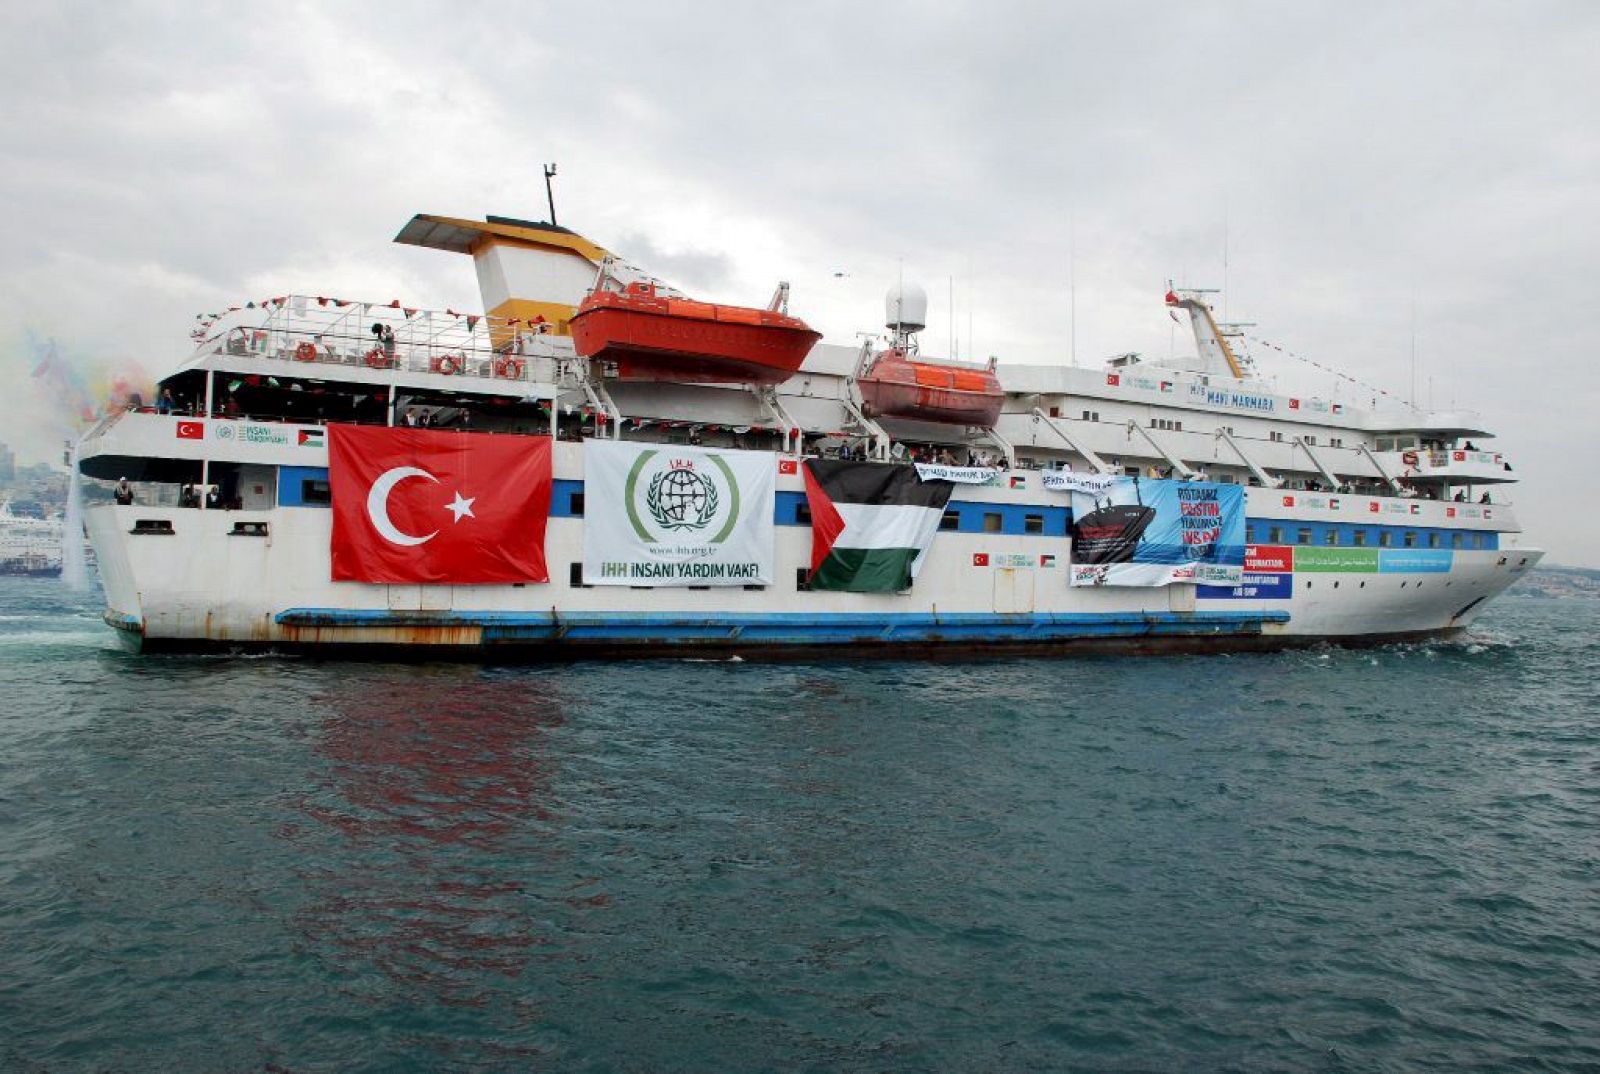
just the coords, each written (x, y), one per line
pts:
(204, 322)
(1329, 369)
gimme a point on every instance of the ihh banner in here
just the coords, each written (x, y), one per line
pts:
(662, 515)
(1152, 533)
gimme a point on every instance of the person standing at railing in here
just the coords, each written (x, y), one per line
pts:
(385, 337)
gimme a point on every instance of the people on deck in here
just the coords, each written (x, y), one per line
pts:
(124, 492)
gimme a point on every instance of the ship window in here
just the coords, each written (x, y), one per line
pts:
(1303, 537)
(1130, 471)
(1249, 535)
(1359, 538)
(1411, 539)
(1385, 443)
(1332, 537)
(575, 577)
(249, 529)
(802, 579)
(992, 522)
(1477, 540)
(1275, 436)
(575, 504)
(1311, 440)
(802, 514)
(1385, 539)
(1433, 540)
(1032, 523)
(1335, 442)
(1055, 412)
(1275, 535)
(312, 491)
(950, 520)
(1177, 426)
(754, 588)
(1091, 415)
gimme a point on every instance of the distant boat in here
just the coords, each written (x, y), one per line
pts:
(897, 386)
(650, 336)
(29, 546)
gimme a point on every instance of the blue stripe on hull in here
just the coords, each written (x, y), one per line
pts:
(780, 629)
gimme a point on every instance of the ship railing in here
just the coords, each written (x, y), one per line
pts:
(309, 331)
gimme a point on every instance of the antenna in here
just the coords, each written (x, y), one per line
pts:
(1413, 347)
(1225, 257)
(1072, 287)
(954, 343)
(549, 192)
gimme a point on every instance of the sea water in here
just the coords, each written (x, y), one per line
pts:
(1325, 860)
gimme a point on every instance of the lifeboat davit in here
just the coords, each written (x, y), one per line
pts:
(896, 386)
(652, 337)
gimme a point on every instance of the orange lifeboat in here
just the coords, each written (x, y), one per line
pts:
(653, 337)
(895, 386)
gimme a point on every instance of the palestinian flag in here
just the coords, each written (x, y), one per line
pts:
(870, 524)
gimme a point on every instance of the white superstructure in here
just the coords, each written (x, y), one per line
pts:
(1363, 525)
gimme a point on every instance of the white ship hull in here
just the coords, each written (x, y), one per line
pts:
(206, 585)
(1363, 526)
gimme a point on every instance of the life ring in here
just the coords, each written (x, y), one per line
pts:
(447, 365)
(1409, 458)
(377, 359)
(306, 352)
(511, 368)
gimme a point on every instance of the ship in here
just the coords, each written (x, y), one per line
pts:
(29, 547)
(598, 465)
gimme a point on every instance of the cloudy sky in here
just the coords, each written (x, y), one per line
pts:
(1385, 178)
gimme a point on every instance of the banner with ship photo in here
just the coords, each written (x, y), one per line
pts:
(665, 515)
(871, 524)
(1140, 532)
(450, 508)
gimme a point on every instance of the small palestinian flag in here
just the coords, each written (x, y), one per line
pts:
(871, 522)
(312, 438)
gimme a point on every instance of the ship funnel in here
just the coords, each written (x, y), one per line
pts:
(906, 309)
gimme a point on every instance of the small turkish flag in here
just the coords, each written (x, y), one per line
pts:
(1288, 501)
(788, 466)
(421, 505)
(1113, 379)
(191, 430)
(980, 559)
(1294, 404)
(1372, 505)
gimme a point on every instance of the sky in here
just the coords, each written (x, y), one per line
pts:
(1408, 192)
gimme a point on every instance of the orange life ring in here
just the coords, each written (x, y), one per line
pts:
(306, 352)
(377, 359)
(511, 368)
(447, 365)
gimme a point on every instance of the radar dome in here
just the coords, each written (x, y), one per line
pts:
(906, 308)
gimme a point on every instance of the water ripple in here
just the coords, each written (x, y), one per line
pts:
(1326, 860)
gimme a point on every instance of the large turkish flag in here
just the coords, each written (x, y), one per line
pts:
(421, 505)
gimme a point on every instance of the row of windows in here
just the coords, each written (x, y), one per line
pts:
(566, 501)
(1334, 536)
